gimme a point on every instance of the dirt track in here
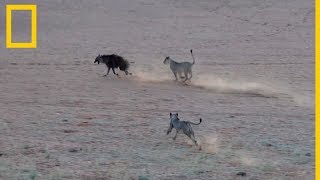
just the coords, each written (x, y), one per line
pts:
(253, 87)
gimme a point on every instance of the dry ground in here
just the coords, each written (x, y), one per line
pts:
(253, 87)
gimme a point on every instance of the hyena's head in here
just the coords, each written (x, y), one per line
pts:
(166, 60)
(98, 59)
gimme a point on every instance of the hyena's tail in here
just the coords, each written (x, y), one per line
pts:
(194, 61)
(195, 123)
(124, 65)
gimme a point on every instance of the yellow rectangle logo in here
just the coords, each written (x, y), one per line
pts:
(21, 7)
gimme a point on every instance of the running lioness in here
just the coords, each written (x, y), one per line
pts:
(185, 126)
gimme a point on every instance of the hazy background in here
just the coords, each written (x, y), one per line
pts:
(253, 86)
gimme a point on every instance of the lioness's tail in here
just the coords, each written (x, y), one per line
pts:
(194, 61)
(195, 123)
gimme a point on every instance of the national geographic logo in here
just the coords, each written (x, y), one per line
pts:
(21, 7)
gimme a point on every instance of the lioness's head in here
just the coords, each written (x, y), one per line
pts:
(174, 116)
(166, 60)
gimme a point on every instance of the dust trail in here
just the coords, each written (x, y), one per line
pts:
(265, 89)
(210, 82)
(152, 73)
(209, 144)
(155, 74)
(303, 99)
(163, 75)
(248, 158)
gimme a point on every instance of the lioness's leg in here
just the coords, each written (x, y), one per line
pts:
(191, 136)
(194, 139)
(186, 76)
(190, 75)
(175, 75)
(170, 128)
(177, 131)
(180, 75)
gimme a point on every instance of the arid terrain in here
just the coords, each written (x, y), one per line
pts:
(253, 86)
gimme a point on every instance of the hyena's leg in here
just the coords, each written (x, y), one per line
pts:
(127, 73)
(107, 72)
(114, 72)
(177, 131)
